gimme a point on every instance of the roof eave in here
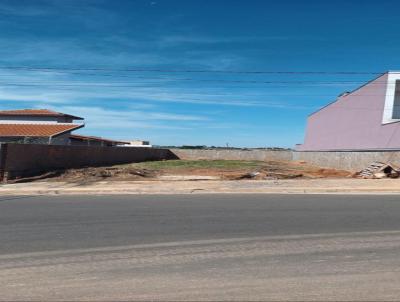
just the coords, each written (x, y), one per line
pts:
(354, 90)
(73, 117)
(68, 130)
(91, 138)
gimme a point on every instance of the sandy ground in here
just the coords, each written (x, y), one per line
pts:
(194, 170)
(307, 186)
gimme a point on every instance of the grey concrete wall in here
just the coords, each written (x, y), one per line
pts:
(32, 159)
(346, 160)
(215, 154)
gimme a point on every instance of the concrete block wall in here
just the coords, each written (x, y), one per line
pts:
(345, 160)
(226, 154)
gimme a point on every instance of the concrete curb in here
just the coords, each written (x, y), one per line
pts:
(319, 186)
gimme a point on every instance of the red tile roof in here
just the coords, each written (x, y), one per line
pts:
(37, 112)
(95, 138)
(36, 130)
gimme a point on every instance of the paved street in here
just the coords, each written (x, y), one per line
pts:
(200, 247)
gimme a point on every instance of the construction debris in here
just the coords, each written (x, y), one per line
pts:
(249, 175)
(378, 170)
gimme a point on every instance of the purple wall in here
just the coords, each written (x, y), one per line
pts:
(353, 122)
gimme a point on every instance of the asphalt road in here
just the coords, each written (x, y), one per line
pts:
(200, 247)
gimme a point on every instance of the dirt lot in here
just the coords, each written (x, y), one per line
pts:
(196, 170)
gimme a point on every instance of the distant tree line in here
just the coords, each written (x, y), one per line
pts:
(204, 147)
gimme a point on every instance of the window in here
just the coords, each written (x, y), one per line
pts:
(396, 103)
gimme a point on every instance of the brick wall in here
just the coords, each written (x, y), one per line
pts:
(18, 160)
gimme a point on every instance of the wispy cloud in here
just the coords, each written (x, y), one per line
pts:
(109, 116)
(55, 87)
(123, 123)
(174, 40)
(138, 95)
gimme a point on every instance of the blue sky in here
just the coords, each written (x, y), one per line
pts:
(176, 108)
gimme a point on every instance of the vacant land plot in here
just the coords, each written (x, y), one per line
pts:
(196, 170)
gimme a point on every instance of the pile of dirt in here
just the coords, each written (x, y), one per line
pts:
(92, 174)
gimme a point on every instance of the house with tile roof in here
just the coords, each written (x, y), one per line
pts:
(43, 126)
(40, 126)
(365, 119)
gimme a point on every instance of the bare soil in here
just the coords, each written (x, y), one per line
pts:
(220, 170)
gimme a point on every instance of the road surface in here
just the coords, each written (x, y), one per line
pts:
(200, 247)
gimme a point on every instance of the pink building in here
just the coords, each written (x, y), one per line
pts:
(367, 118)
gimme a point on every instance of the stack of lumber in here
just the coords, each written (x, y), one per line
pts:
(379, 170)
